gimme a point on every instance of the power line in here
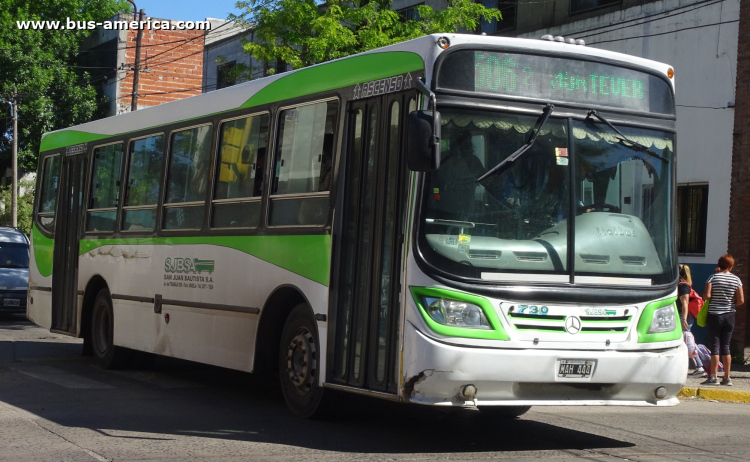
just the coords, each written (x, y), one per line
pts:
(665, 33)
(626, 21)
(663, 15)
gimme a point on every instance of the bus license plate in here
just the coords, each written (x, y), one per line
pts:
(575, 369)
(11, 302)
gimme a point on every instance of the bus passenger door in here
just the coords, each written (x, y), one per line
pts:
(365, 303)
(67, 234)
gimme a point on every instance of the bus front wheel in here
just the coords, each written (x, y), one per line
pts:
(504, 412)
(106, 353)
(299, 359)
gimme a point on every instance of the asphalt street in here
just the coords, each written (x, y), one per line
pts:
(57, 405)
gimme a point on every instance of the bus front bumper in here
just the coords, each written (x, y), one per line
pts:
(437, 374)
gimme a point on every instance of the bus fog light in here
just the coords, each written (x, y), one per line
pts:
(660, 393)
(469, 392)
(664, 320)
(457, 314)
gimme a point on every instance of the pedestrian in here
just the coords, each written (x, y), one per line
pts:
(687, 296)
(724, 291)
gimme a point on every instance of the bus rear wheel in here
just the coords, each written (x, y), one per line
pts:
(504, 412)
(299, 356)
(106, 353)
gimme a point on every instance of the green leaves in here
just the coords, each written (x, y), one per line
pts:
(45, 67)
(303, 33)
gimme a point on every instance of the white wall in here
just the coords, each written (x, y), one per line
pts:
(704, 60)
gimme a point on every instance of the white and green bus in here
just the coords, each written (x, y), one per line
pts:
(456, 220)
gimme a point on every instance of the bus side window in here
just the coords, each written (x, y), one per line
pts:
(240, 172)
(187, 178)
(48, 193)
(304, 165)
(105, 189)
(142, 188)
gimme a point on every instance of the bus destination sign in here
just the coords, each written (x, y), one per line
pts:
(555, 79)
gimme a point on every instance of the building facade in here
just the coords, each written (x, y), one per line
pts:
(225, 62)
(171, 65)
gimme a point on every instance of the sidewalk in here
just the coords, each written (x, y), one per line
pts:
(739, 392)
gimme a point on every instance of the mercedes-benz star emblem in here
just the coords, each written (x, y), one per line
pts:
(573, 325)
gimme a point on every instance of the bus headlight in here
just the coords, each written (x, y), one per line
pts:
(457, 314)
(664, 320)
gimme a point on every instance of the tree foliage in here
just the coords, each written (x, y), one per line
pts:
(303, 32)
(25, 206)
(44, 66)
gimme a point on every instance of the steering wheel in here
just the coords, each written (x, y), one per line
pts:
(598, 207)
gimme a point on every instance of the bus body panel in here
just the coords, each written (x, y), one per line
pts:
(209, 335)
(38, 306)
(437, 373)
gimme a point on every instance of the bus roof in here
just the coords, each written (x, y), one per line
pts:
(413, 55)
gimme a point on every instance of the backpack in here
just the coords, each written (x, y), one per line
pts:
(705, 355)
(690, 342)
(695, 302)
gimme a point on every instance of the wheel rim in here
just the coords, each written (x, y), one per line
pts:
(301, 361)
(101, 331)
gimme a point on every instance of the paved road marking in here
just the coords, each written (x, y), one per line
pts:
(60, 377)
(158, 379)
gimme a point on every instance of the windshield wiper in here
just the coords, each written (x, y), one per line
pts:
(634, 145)
(511, 158)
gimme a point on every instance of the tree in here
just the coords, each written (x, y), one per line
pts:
(25, 206)
(303, 33)
(45, 67)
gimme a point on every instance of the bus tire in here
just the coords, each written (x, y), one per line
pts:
(299, 359)
(504, 412)
(107, 355)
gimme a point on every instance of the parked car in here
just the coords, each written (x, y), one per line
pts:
(14, 270)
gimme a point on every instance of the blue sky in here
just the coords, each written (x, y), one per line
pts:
(187, 10)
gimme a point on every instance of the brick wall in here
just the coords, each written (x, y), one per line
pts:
(171, 66)
(739, 208)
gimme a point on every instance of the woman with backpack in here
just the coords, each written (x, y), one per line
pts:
(690, 304)
(724, 291)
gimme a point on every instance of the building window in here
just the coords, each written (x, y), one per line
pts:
(411, 13)
(579, 6)
(507, 23)
(692, 206)
(225, 75)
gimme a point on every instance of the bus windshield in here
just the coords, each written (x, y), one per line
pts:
(517, 220)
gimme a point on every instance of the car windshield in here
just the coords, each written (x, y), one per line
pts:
(516, 222)
(14, 255)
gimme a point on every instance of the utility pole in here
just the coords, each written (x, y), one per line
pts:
(13, 103)
(14, 192)
(136, 70)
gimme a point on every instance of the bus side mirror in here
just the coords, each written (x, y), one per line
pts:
(423, 143)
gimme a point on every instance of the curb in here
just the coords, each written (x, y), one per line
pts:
(737, 396)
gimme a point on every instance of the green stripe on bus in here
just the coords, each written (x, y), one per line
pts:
(68, 138)
(307, 81)
(44, 251)
(308, 256)
(338, 74)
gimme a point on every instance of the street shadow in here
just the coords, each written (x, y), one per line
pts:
(231, 405)
(14, 321)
